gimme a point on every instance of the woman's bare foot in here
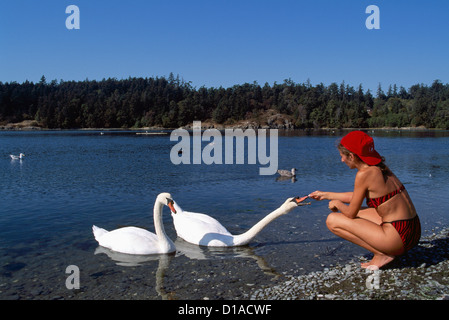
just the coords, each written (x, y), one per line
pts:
(379, 260)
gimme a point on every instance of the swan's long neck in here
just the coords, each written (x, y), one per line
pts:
(165, 242)
(244, 238)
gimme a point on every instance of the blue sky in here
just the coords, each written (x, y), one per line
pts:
(216, 43)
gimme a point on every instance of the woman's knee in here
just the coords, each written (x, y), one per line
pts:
(332, 220)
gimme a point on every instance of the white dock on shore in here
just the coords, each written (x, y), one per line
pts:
(151, 133)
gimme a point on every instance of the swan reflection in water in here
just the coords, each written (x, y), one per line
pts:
(190, 251)
(133, 260)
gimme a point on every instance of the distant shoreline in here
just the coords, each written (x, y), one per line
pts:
(32, 125)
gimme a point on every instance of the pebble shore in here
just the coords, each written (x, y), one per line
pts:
(421, 274)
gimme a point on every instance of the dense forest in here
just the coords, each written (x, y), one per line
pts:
(170, 102)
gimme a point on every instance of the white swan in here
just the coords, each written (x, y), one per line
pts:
(201, 229)
(19, 157)
(287, 173)
(132, 240)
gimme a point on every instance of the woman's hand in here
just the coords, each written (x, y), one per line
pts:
(334, 205)
(317, 195)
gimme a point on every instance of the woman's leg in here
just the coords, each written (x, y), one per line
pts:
(383, 241)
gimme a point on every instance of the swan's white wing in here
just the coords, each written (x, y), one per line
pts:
(200, 222)
(208, 220)
(196, 228)
(206, 223)
(130, 240)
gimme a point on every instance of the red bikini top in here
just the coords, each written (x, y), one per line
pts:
(375, 202)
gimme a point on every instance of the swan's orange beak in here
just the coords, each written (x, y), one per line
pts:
(171, 205)
(298, 200)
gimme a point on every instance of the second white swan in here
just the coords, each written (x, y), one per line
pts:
(133, 240)
(201, 229)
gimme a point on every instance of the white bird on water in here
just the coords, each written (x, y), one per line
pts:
(19, 157)
(133, 240)
(287, 173)
(203, 230)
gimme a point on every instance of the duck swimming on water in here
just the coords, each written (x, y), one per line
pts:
(19, 157)
(288, 173)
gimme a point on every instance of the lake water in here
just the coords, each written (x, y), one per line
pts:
(70, 180)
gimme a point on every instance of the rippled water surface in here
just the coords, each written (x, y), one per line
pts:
(70, 180)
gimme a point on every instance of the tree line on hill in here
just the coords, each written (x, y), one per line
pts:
(170, 102)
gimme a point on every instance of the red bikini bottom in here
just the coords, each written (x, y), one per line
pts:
(409, 230)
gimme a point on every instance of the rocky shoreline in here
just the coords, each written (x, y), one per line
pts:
(421, 274)
(272, 120)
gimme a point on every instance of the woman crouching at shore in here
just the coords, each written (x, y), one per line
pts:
(390, 225)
